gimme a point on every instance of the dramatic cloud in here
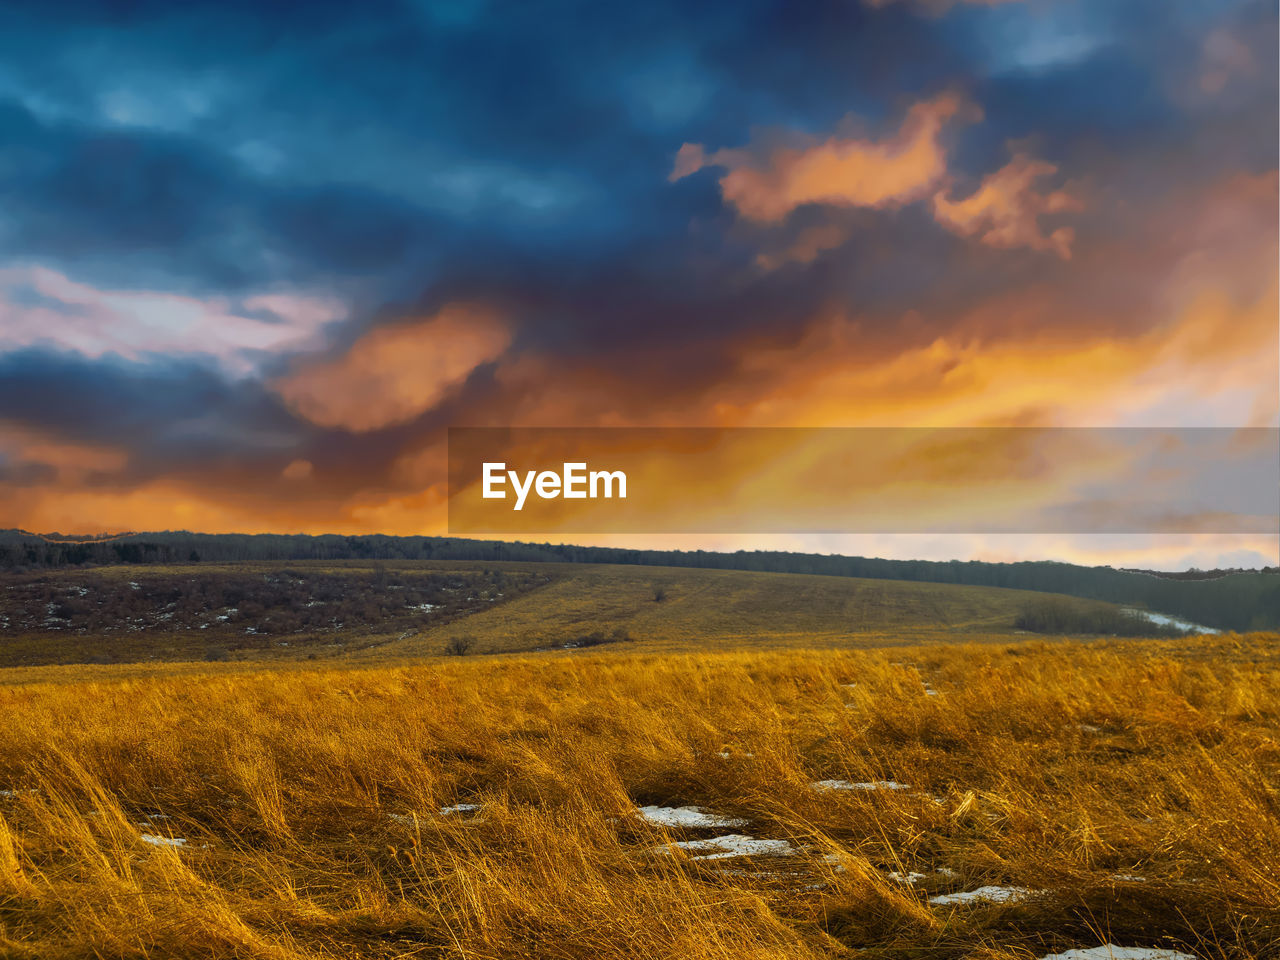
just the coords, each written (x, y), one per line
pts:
(394, 373)
(241, 288)
(767, 183)
(1005, 210)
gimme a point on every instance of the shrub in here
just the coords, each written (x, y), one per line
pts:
(1073, 617)
(459, 646)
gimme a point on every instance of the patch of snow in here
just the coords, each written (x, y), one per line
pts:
(734, 845)
(1128, 878)
(459, 808)
(911, 878)
(1109, 951)
(163, 841)
(1164, 620)
(985, 894)
(134, 586)
(692, 817)
(868, 785)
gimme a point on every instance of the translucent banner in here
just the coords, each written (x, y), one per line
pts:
(527, 480)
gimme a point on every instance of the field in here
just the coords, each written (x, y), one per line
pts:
(747, 766)
(488, 807)
(310, 610)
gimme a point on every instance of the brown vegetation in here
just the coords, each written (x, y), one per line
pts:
(117, 614)
(1131, 787)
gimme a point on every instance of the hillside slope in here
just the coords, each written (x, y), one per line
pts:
(724, 607)
(1243, 600)
(334, 610)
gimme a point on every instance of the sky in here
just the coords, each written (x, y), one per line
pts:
(256, 258)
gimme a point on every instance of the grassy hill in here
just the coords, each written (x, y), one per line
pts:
(725, 607)
(1229, 600)
(340, 609)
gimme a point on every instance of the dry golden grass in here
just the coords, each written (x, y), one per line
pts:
(310, 798)
(727, 607)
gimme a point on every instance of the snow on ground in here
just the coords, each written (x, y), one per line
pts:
(687, 817)
(865, 785)
(911, 878)
(1109, 951)
(410, 819)
(733, 845)
(459, 808)
(984, 894)
(1166, 621)
(156, 841)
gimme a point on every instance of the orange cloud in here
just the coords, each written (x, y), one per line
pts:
(806, 247)
(297, 470)
(71, 460)
(1005, 210)
(394, 373)
(766, 185)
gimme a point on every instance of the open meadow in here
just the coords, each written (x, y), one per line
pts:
(362, 609)
(1011, 799)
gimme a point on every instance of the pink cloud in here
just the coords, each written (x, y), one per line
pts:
(39, 306)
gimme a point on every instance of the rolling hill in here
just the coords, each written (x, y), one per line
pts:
(342, 609)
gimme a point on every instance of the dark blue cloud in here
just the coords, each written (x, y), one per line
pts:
(402, 155)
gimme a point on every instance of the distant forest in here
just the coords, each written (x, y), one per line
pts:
(1238, 601)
